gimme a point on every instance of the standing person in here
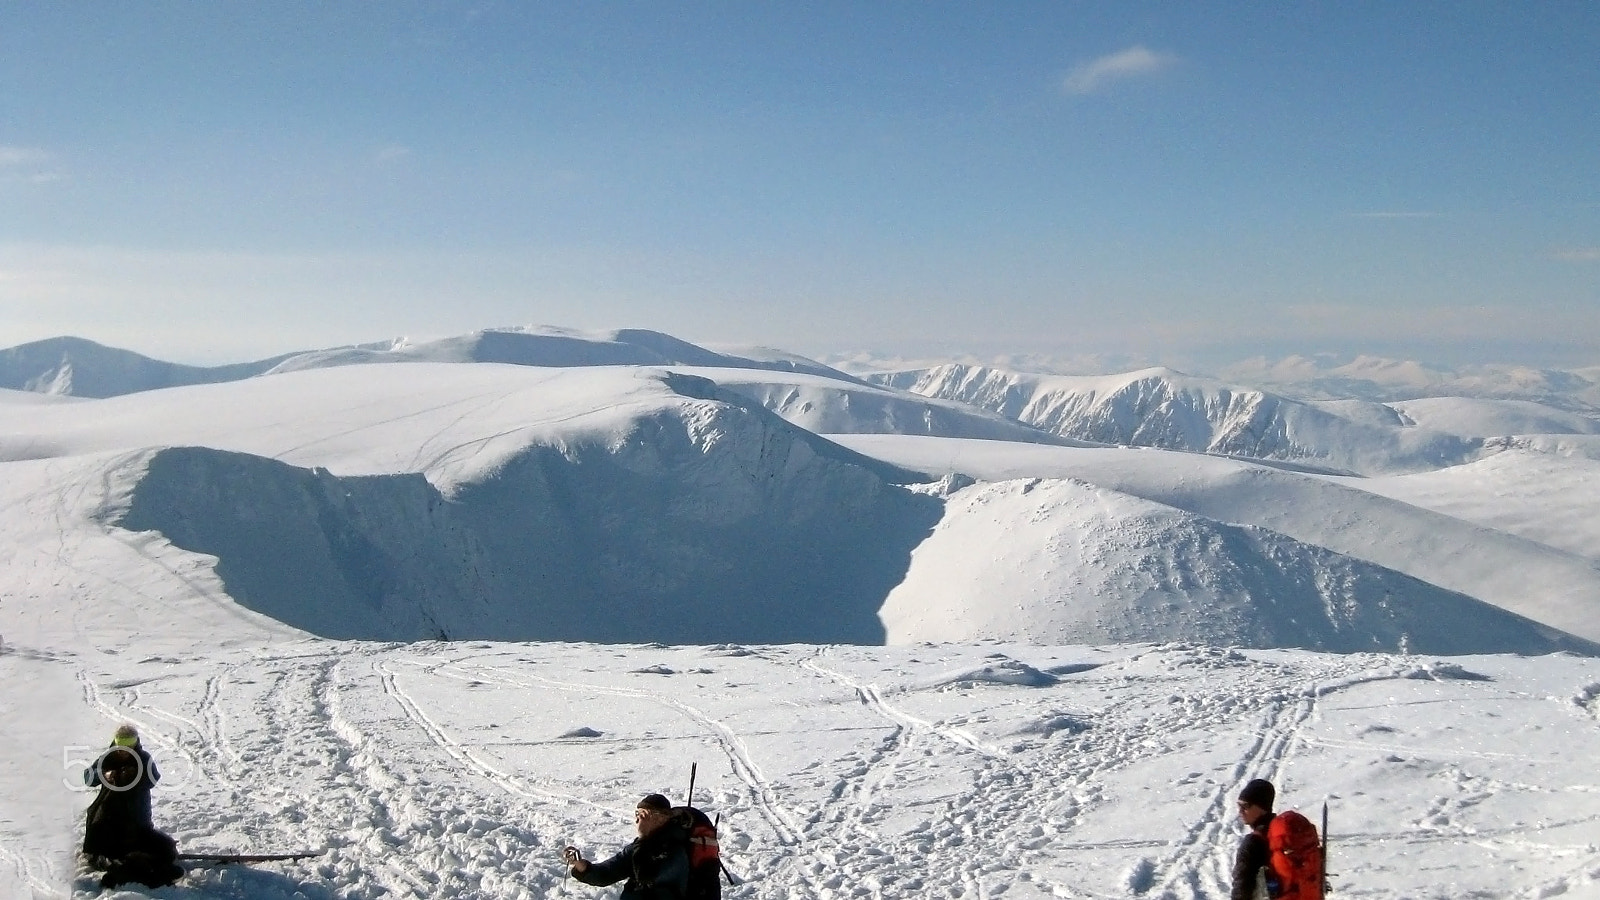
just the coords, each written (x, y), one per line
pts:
(1252, 864)
(656, 863)
(118, 833)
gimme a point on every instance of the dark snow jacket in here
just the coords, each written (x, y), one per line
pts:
(656, 866)
(1253, 856)
(139, 791)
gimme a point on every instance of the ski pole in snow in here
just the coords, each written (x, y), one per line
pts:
(689, 801)
(1324, 873)
(223, 858)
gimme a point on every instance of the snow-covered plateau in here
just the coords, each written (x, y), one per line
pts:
(437, 610)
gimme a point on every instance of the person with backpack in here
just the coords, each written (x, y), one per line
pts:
(656, 864)
(118, 834)
(1281, 858)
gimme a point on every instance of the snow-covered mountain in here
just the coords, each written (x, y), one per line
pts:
(1496, 561)
(618, 503)
(829, 406)
(75, 367)
(207, 561)
(506, 502)
(1383, 380)
(1107, 567)
(548, 346)
(1167, 409)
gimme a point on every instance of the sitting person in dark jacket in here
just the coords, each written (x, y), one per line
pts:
(656, 864)
(118, 834)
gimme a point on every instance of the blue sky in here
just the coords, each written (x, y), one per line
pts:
(215, 182)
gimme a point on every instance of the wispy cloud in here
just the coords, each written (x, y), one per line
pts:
(1134, 62)
(392, 153)
(1394, 214)
(1577, 254)
(12, 157)
(26, 165)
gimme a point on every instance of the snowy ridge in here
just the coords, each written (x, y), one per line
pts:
(1381, 380)
(1541, 582)
(1106, 567)
(1476, 417)
(627, 504)
(1166, 409)
(829, 406)
(1544, 496)
(80, 368)
(540, 345)
(646, 510)
(77, 367)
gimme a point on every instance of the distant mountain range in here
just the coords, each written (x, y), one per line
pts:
(1155, 407)
(1171, 410)
(81, 368)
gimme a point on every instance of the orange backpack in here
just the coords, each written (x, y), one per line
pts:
(705, 859)
(1296, 861)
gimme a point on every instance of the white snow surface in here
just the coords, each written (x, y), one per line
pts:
(1477, 417)
(460, 769)
(243, 570)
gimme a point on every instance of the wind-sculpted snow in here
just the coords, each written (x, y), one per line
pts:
(1166, 409)
(459, 769)
(1105, 567)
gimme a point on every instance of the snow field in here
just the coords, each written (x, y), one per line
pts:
(459, 770)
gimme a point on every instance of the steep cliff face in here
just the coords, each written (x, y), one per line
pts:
(1163, 408)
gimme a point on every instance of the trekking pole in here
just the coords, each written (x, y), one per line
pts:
(689, 801)
(1324, 873)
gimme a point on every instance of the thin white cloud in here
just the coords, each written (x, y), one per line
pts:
(1133, 62)
(1578, 254)
(393, 153)
(11, 157)
(1394, 214)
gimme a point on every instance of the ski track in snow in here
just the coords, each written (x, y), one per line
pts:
(739, 758)
(357, 749)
